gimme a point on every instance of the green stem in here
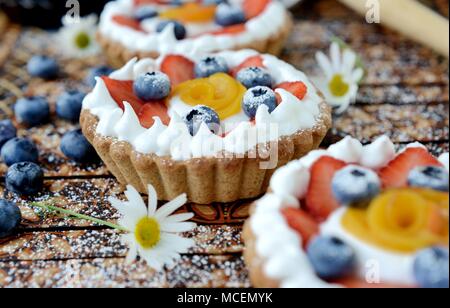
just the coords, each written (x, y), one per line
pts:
(79, 216)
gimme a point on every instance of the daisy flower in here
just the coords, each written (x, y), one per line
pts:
(152, 232)
(77, 36)
(341, 76)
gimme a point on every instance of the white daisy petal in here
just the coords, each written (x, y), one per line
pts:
(349, 60)
(170, 207)
(152, 200)
(357, 75)
(324, 64)
(135, 200)
(177, 218)
(178, 227)
(335, 54)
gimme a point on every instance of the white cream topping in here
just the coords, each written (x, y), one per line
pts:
(290, 183)
(291, 116)
(267, 24)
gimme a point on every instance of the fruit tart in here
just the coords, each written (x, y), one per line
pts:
(353, 216)
(148, 28)
(214, 127)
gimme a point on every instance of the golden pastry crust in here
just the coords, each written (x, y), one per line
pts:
(205, 180)
(118, 54)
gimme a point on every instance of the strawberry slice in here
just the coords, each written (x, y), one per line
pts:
(122, 91)
(178, 68)
(395, 174)
(320, 201)
(253, 8)
(297, 88)
(301, 222)
(254, 61)
(230, 30)
(153, 109)
(128, 22)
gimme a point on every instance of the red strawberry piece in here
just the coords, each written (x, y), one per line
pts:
(320, 201)
(153, 109)
(178, 68)
(122, 91)
(253, 8)
(301, 222)
(297, 88)
(230, 30)
(395, 174)
(254, 61)
(128, 22)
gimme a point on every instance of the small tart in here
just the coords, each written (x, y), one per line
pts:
(150, 143)
(266, 27)
(386, 233)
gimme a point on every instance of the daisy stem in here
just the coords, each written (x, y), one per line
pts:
(77, 215)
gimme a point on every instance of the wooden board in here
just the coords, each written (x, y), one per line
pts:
(405, 95)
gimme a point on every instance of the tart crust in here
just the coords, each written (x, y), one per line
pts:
(205, 180)
(118, 54)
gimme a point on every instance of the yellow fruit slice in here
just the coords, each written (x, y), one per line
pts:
(191, 12)
(403, 220)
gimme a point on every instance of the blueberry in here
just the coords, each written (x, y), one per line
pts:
(331, 257)
(209, 66)
(76, 147)
(10, 217)
(429, 177)
(355, 186)
(32, 111)
(19, 150)
(145, 12)
(254, 76)
(24, 179)
(431, 268)
(152, 86)
(68, 105)
(179, 29)
(199, 115)
(256, 97)
(43, 66)
(97, 72)
(7, 131)
(213, 2)
(227, 15)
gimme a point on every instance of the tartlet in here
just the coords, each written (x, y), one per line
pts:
(385, 230)
(149, 143)
(266, 26)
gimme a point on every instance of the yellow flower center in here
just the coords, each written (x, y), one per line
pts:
(338, 87)
(82, 40)
(147, 232)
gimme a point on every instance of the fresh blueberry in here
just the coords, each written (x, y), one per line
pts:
(254, 76)
(227, 15)
(68, 105)
(32, 111)
(209, 66)
(7, 131)
(10, 217)
(431, 268)
(19, 150)
(145, 12)
(213, 2)
(24, 178)
(330, 257)
(429, 177)
(355, 186)
(152, 86)
(199, 115)
(76, 147)
(43, 66)
(256, 97)
(97, 72)
(179, 29)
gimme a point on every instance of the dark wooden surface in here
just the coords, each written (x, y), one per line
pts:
(405, 95)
